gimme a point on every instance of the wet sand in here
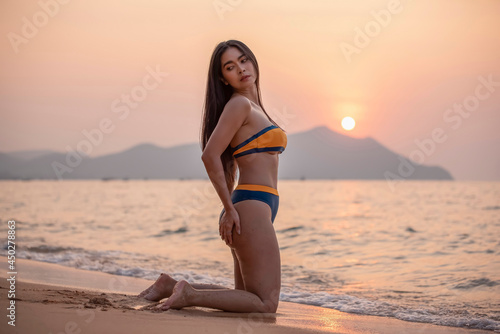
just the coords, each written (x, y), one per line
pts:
(53, 298)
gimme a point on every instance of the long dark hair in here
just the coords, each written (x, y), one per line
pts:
(217, 95)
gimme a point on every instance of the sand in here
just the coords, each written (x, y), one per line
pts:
(51, 298)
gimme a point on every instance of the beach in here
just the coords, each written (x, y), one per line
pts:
(50, 298)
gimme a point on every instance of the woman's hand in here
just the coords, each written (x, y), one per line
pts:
(229, 219)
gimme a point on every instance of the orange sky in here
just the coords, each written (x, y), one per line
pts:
(420, 60)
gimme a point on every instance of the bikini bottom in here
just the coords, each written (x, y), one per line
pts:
(257, 192)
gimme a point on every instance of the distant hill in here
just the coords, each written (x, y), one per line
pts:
(30, 154)
(319, 153)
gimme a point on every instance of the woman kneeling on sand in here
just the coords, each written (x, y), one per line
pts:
(237, 131)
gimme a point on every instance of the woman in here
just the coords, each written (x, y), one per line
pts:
(237, 131)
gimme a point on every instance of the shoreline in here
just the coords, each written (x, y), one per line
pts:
(54, 298)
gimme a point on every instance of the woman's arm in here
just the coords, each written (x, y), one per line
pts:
(232, 118)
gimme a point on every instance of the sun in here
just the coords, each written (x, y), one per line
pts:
(348, 123)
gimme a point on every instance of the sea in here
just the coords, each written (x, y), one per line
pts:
(420, 251)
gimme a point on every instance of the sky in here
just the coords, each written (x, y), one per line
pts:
(420, 77)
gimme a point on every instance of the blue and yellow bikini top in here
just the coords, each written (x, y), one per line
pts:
(270, 139)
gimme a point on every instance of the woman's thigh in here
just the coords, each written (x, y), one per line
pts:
(257, 250)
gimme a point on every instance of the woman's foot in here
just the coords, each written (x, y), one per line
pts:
(181, 297)
(160, 289)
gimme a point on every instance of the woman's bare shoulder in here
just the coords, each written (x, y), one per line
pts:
(239, 102)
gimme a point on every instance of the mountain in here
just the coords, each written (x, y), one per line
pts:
(30, 154)
(319, 153)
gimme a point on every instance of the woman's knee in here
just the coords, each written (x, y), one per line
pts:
(270, 300)
(270, 306)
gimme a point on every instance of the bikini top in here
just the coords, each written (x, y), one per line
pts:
(270, 139)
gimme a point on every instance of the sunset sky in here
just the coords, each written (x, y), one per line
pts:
(398, 68)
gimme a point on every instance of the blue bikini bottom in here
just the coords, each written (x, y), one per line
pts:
(256, 192)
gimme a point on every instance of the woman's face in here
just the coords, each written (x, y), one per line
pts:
(237, 69)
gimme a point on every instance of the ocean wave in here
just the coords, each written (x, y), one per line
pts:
(476, 283)
(169, 232)
(290, 229)
(362, 306)
(301, 291)
(51, 249)
(492, 207)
